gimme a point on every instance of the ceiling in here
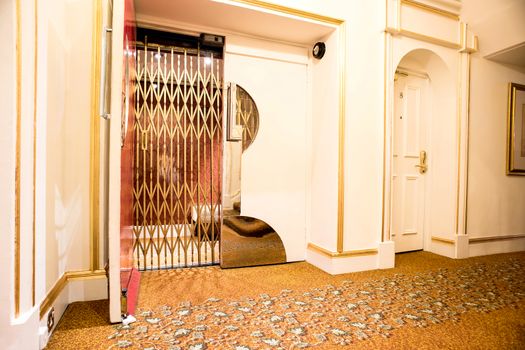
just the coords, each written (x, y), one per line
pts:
(231, 17)
(514, 56)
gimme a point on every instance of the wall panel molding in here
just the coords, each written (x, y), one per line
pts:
(473, 240)
(94, 162)
(411, 18)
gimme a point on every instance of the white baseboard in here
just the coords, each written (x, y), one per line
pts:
(447, 249)
(496, 246)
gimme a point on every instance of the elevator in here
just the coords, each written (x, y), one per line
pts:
(216, 137)
(177, 151)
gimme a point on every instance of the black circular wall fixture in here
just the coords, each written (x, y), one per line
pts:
(319, 50)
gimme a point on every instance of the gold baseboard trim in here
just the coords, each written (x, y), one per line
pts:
(343, 254)
(443, 240)
(52, 295)
(494, 238)
(61, 284)
(85, 275)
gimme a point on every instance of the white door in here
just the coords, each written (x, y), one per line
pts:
(409, 162)
(274, 166)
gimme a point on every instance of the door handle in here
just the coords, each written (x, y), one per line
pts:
(423, 167)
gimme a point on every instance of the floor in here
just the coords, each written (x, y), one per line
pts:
(426, 302)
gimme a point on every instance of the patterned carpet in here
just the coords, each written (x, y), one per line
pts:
(424, 294)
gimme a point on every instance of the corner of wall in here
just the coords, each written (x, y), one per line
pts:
(22, 332)
(386, 257)
(75, 289)
(462, 247)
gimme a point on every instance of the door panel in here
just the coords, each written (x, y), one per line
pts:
(129, 277)
(274, 167)
(126, 159)
(408, 179)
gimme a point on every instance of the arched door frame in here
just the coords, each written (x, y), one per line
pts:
(452, 244)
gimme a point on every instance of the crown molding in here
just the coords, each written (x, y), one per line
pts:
(452, 6)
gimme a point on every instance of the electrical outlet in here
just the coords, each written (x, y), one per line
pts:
(51, 319)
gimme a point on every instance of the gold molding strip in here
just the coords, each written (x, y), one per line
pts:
(94, 160)
(33, 277)
(344, 254)
(61, 284)
(290, 11)
(422, 37)
(385, 88)
(459, 115)
(430, 9)
(341, 157)
(443, 240)
(52, 295)
(18, 145)
(495, 238)
(85, 275)
(465, 228)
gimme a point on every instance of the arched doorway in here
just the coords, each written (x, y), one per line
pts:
(423, 150)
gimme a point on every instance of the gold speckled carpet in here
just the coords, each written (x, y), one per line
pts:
(426, 302)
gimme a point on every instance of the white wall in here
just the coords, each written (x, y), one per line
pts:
(496, 202)
(68, 54)
(324, 147)
(61, 191)
(364, 116)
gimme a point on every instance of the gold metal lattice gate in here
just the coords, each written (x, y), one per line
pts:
(177, 161)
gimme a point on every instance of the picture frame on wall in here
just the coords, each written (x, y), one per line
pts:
(516, 130)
